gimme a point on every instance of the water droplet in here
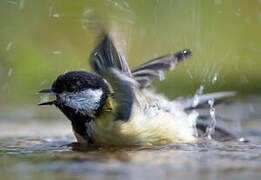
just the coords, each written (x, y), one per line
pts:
(238, 13)
(211, 128)
(17, 3)
(126, 4)
(189, 73)
(50, 11)
(10, 72)
(195, 100)
(243, 79)
(215, 78)
(43, 82)
(218, 2)
(242, 139)
(9, 45)
(161, 75)
(193, 116)
(21, 4)
(56, 52)
(87, 12)
(12, 2)
(155, 55)
(196, 96)
(248, 20)
(211, 102)
(56, 15)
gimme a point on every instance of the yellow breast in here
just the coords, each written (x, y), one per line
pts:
(143, 129)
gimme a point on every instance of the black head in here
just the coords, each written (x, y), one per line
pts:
(79, 94)
(76, 81)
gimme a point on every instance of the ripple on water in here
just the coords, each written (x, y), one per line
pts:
(49, 154)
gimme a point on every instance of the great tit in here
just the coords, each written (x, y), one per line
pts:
(113, 107)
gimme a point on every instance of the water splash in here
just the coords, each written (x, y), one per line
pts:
(9, 45)
(10, 72)
(21, 4)
(218, 2)
(12, 2)
(88, 21)
(215, 78)
(52, 14)
(197, 95)
(43, 82)
(193, 116)
(189, 73)
(18, 3)
(161, 75)
(57, 52)
(50, 11)
(56, 15)
(211, 128)
(119, 5)
(238, 12)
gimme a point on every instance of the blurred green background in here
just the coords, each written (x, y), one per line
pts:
(41, 39)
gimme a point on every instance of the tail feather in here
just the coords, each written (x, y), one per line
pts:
(188, 103)
(220, 133)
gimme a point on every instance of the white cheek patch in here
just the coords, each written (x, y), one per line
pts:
(85, 102)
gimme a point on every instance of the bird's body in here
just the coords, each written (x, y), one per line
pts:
(113, 107)
(157, 122)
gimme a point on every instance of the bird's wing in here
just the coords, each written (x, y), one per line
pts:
(106, 61)
(106, 56)
(154, 69)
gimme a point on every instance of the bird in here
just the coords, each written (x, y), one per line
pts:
(114, 106)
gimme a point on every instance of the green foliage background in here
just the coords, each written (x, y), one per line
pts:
(41, 39)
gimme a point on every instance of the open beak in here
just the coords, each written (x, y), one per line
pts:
(49, 91)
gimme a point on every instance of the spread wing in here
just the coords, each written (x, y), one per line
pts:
(106, 56)
(106, 61)
(153, 69)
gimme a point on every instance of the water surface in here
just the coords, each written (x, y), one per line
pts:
(42, 149)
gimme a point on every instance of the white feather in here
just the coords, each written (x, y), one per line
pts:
(85, 102)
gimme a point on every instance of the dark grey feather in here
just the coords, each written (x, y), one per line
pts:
(105, 56)
(123, 93)
(106, 61)
(146, 73)
(220, 133)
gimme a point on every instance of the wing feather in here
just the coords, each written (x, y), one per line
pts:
(105, 56)
(106, 61)
(154, 69)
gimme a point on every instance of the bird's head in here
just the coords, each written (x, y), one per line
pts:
(79, 94)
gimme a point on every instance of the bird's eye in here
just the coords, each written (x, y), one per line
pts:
(78, 83)
(72, 88)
